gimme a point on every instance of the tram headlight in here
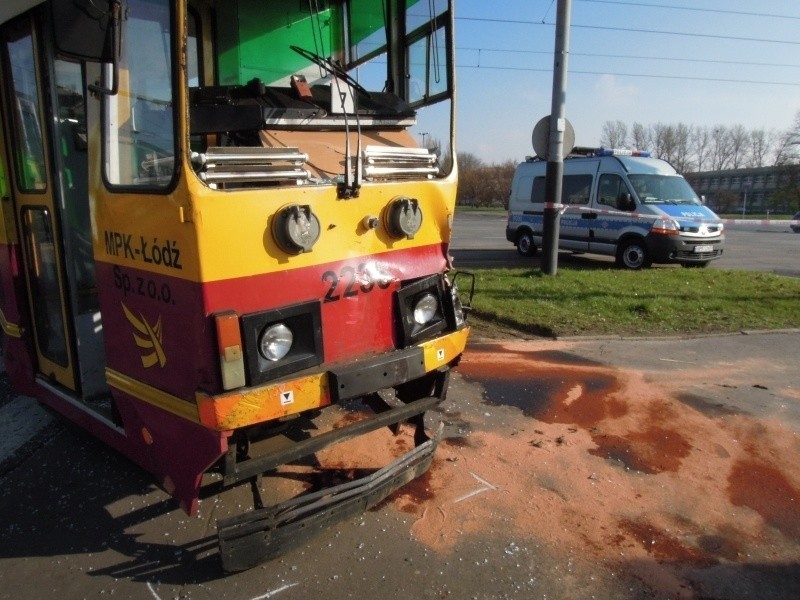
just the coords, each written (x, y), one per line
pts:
(275, 342)
(421, 305)
(425, 309)
(281, 341)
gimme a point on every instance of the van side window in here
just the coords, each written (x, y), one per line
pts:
(524, 188)
(612, 192)
(575, 189)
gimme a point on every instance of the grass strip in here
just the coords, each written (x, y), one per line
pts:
(659, 301)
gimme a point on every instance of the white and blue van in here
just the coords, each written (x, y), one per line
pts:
(619, 203)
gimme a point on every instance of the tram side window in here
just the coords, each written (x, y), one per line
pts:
(30, 150)
(139, 131)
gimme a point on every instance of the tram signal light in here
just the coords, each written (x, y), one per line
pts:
(229, 344)
(296, 229)
(403, 218)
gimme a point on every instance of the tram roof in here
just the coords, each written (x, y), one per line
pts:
(11, 8)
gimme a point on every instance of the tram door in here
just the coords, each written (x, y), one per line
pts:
(51, 199)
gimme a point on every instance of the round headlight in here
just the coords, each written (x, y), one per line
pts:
(275, 342)
(425, 309)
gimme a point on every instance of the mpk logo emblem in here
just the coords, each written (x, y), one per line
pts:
(148, 338)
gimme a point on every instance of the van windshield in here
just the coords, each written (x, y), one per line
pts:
(663, 189)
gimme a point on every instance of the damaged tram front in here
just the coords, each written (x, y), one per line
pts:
(219, 224)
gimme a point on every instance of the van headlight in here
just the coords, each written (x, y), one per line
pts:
(425, 309)
(275, 342)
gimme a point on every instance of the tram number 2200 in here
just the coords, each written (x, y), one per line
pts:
(349, 281)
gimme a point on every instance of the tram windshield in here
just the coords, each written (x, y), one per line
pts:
(322, 66)
(360, 43)
(349, 75)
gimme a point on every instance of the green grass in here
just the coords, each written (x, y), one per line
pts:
(756, 216)
(659, 301)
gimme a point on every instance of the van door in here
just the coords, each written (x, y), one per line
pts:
(611, 208)
(577, 219)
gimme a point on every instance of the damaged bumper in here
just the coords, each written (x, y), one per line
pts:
(252, 538)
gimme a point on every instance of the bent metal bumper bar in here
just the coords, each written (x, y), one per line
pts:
(252, 538)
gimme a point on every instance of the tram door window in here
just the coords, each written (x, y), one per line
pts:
(30, 151)
(139, 130)
(35, 204)
(72, 183)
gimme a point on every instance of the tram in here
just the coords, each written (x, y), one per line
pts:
(218, 225)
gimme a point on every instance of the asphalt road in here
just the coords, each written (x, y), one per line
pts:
(479, 241)
(611, 469)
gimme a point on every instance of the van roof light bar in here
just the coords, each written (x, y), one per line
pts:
(620, 152)
(587, 151)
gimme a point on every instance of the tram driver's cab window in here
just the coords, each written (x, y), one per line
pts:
(139, 129)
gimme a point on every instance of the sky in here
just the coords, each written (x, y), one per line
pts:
(698, 62)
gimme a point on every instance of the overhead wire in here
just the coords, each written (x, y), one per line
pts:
(650, 75)
(719, 11)
(481, 51)
(636, 30)
(632, 57)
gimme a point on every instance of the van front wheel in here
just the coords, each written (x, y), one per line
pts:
(633, 255)
(525, 245)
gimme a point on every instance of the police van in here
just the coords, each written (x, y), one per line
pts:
(620, 203)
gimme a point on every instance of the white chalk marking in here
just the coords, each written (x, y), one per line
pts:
(275, 591)
(152, 591)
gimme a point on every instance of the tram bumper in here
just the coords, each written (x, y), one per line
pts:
(252, 538)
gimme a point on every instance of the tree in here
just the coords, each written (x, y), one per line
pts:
(640, 137)
(662, 137)
(615, 134)
(726, 201)
(681, 159)
(739, 146)
(720, 153)
(468, 161)
(760, 142)
(787, 148)
(701, 146)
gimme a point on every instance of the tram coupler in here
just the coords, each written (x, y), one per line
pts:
(255, 537)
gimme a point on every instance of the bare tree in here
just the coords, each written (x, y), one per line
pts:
(720, 149)
(701, 144)
(681, 158)
(760, 142)
(615, 134)
(703, 148)
(468, 161)
(661, 140)
(787, 148)
(469, 166)
(787, 144)
(640, 137)
(739, 146)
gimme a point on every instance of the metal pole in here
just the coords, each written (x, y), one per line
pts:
(555, 163)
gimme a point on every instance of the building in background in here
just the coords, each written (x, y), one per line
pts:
(762, 190)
